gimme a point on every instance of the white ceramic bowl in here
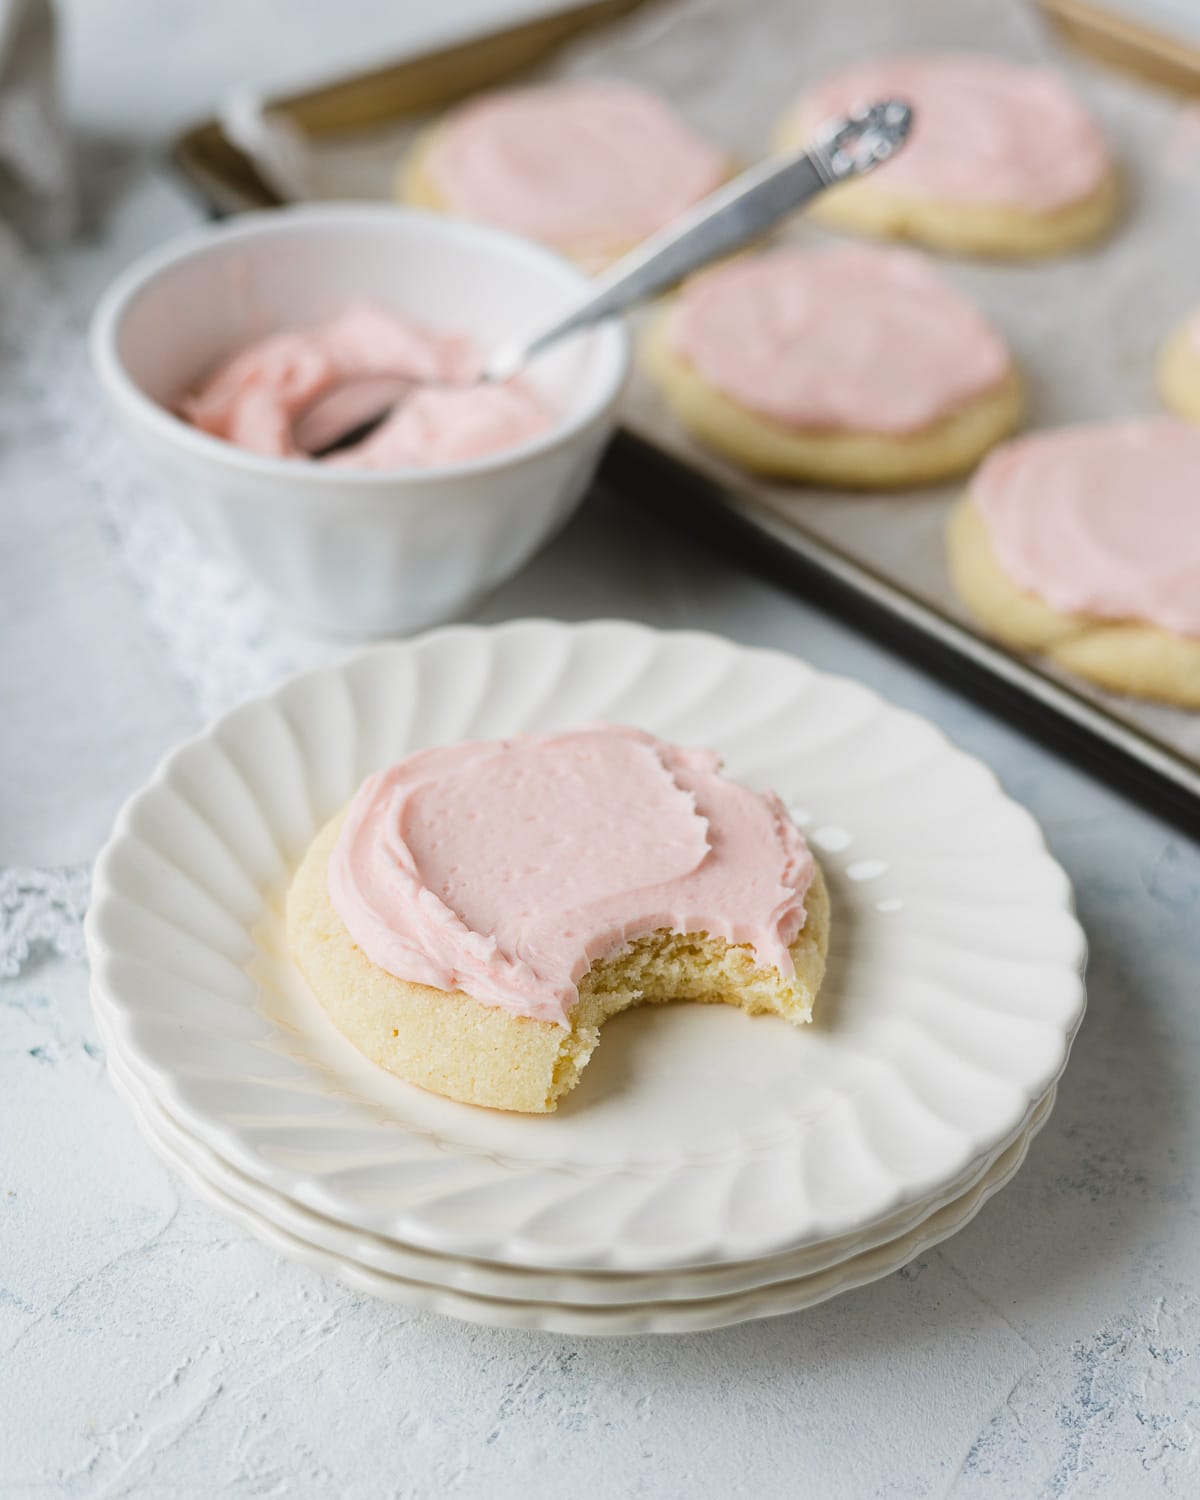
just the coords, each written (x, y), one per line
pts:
(371, 551)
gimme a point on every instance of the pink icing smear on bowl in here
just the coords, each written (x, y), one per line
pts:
(254, 399)
(1101, 520)
(506, 868)
(984, 130)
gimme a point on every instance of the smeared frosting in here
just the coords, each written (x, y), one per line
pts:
(254, 399)
(856, 338)
(592, 167)
(984, 130)
(1101, 520)
(506, 868)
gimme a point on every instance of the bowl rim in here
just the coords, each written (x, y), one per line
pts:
(122, 293)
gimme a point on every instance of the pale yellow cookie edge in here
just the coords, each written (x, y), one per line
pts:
(968, 229)
(1125, 656)
(1179, 373)
(847, 460)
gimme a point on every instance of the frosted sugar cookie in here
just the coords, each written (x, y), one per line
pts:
(590, 168)
(481, 909)
(1003, 159)
(1084, 544)
(856, 366)
(1179, 370)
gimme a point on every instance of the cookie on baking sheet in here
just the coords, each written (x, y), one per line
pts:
(1003, 159)
(589, 167)
(1179, 370)
(481, 909)
(1084, 544)
(856, 366)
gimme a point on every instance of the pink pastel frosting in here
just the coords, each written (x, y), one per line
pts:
(254, 398)
(589, 166)
(985, 131)
(1101, 520)
(506, 868)
(856, 338)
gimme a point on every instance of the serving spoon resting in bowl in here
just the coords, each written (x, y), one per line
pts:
(726, 220)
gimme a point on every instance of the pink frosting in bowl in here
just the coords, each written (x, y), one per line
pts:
(506, 868)
(358, 551)
(1101, 520)
(254, 398)
(592, 167)
(857, 338)
(985, 131)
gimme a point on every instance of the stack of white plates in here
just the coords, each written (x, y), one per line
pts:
(711, 1167)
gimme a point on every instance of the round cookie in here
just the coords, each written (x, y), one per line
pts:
(856, 366)
(590, 168)
(454, 1045)
(978, 175)
(1179, 370)
(1084, 545)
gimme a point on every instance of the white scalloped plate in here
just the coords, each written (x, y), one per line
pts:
(516, 1283)
(695, 1315)
(698, 1135)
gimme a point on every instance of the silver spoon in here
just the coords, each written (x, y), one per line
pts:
(726, 220)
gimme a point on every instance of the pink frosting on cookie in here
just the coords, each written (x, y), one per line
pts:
(506, 868)
(588, 166)
(254, 399)
(855, 339)
(1101, 520)
(984, 130)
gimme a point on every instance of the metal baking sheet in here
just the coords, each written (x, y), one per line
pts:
(1085, 329)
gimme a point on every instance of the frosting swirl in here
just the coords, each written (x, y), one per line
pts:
(984, 130)
(856, 338)
(254, 399)
(506, 868)
(1101, 520)
(592, 167)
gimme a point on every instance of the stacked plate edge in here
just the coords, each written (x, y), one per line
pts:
(555, 1311)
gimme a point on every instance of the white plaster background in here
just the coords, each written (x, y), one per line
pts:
(149, 1348)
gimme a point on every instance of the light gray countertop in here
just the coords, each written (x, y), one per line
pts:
(148, 1347)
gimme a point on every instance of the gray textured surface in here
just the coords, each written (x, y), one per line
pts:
(152, 1349)
(148, 1348)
